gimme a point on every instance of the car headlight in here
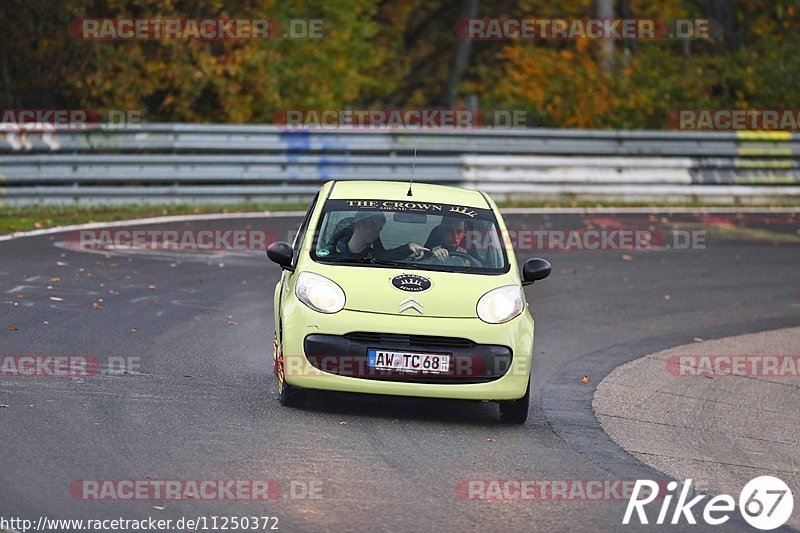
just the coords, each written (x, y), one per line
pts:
(319, 293)
(501, 304)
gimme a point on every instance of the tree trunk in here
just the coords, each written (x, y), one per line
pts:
(461, 58)
(604, 9)
(626, 13)
(725, 30)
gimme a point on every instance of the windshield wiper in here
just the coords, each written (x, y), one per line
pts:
(350, 260)
(388, 262)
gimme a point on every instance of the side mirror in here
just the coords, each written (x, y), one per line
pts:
(281, 253)
(535, 270)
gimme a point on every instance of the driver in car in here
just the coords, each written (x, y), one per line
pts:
(449, 236)
(365, 242)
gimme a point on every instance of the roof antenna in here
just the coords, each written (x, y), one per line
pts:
(413, 164)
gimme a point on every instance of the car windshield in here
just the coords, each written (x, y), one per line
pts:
(409, 234)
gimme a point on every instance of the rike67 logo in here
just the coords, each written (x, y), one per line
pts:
(765, 502)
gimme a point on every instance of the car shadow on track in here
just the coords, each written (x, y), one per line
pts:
(400, 407)
(386, 407)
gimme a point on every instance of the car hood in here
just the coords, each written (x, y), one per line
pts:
(451, 294)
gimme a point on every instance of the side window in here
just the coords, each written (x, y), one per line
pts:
(301, 233)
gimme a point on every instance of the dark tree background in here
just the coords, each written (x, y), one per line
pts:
(400, 53)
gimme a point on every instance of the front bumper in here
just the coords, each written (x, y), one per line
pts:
(500, 354)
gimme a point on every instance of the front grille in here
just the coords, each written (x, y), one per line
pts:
(409, 340)
(346, 355)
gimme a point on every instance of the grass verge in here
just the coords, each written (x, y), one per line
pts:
(14, 219)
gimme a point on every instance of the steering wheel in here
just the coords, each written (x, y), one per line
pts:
(468, 259)
(463, 255)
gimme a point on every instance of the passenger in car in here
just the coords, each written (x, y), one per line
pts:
(364, 242)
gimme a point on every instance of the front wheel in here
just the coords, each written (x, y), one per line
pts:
(516, 412)
(287, 394)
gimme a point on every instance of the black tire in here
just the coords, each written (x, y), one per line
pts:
(292, 396)
(287, 394)
(516, 412)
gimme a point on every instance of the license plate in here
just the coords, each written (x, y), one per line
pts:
(408, 361)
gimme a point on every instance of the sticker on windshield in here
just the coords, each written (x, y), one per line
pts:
(400, 206)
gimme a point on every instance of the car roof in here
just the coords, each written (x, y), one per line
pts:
(397, 190)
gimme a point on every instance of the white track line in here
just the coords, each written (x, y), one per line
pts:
(507, 211)
(151, 220)
(646, 210)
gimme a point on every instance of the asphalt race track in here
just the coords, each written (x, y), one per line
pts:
(202, 403)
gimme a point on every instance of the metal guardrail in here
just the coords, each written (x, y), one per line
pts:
(254, 163)
(218, 138)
